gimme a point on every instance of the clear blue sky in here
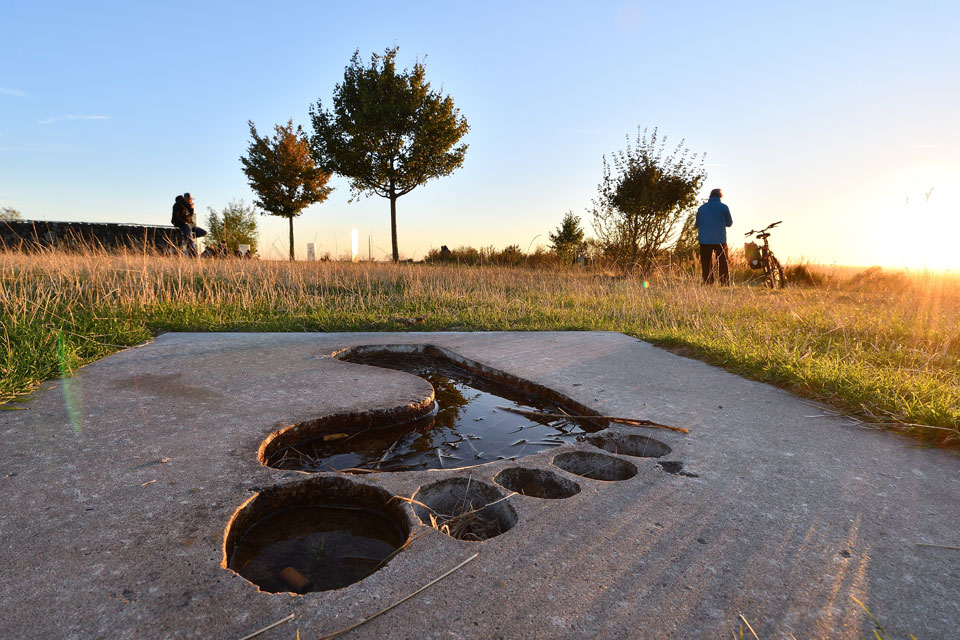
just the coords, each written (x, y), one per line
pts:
(837, 117)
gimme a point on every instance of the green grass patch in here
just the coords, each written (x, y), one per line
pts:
(885, 354)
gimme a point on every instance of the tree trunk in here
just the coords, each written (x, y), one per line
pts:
(393, 224)
(291, 239)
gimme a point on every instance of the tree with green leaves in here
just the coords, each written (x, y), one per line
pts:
(644, 194)
(567, 242)
(235, 225)
(282, 172)
(388, 132)
(9, 213)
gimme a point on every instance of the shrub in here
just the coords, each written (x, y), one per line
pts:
(235, 225)
(803, 275)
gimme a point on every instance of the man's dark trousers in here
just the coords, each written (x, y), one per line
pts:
(706, 263)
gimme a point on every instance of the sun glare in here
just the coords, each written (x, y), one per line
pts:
(922, 222)
(932, 227)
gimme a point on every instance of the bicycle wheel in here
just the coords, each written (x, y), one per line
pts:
(775, 276)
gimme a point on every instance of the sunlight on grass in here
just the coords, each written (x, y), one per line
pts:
(883, 346)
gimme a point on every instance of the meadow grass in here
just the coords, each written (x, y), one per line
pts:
(884, 347)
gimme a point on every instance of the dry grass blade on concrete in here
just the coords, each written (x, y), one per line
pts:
(634, 422)
(938, 546)
(340, 632)
(752, 632)
(399, 549)
(269, 627)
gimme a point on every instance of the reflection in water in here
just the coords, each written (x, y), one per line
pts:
(315, 548)
(467, 428)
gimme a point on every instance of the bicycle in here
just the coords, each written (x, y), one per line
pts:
(761, 257)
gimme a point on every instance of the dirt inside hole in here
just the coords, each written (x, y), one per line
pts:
(628, 444)
(595, 466)
(537, 483)
(467, 428)
(469, 524)
(465, 509)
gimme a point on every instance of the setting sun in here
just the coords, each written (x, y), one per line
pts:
(922, 223)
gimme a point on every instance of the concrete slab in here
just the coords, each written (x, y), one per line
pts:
(792, 511)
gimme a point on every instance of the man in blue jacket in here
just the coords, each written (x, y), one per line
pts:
(713, 218)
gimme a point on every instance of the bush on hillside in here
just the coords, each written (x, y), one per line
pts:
(802, 275)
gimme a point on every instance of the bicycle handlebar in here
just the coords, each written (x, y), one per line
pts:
(769, 226)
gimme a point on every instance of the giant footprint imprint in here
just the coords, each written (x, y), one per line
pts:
(329, 531)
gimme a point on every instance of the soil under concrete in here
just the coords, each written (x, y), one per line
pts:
(115, 503)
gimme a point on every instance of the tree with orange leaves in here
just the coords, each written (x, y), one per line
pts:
(281, 170)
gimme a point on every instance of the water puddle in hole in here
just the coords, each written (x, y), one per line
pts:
(315, 548)
(467, 429)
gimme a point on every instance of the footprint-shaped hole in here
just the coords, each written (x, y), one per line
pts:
(595, 466)
(480, 415)
(464, 508)
(317, 535)
(628, 444)
(537, 483)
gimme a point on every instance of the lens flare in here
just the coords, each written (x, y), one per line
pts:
(646, 285)
(71, 387)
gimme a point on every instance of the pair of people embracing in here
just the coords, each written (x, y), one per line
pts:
(184, 219)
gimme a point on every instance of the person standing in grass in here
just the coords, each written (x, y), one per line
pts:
(713, 218)
(185, 220)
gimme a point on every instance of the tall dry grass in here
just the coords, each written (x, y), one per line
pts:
(884, 346)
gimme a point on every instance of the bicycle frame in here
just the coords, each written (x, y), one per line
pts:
(772, 270)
